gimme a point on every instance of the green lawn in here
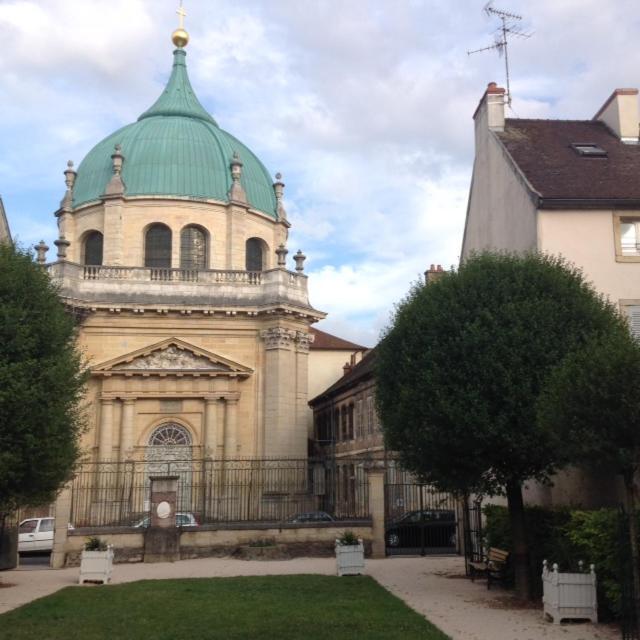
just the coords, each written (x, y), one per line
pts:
(305, 607)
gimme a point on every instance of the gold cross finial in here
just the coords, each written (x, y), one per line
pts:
(180, 37)
(182, 13)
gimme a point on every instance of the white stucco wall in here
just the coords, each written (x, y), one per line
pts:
(501, 213)
(587, 239)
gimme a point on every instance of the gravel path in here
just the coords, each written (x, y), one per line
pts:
(434, 587)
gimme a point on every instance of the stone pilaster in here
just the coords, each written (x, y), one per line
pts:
(105, 439)
(280, 393)
(303, 342)
(210, 427)
(61, 528)
(231, 428)
(112, 233)
(376, 510)
(126, 428)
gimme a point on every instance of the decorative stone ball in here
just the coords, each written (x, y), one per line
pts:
(180, 38)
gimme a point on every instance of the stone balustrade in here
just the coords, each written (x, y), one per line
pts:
(163, 286)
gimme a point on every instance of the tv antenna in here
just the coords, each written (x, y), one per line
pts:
(509, 27)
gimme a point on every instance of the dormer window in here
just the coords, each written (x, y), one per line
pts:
(588, 149)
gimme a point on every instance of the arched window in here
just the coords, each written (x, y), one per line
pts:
(254, 254)
(93, 248)
(157, 247)
(170, 434)
(193, 248)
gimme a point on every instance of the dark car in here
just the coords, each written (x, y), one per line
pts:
(435, 528)
(311, 516)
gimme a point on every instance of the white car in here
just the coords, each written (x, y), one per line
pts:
(35, 534)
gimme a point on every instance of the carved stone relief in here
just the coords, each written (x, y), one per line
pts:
(174, 359)
(278, 337)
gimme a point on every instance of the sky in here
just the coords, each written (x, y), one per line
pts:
(365, 106)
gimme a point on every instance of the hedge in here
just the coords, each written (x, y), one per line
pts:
(566, 536)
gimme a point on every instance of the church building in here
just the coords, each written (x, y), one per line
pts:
(172, 253)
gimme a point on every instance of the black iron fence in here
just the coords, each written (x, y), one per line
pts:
(217, 491)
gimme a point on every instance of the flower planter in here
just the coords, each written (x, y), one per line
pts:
(350, 558)
(96, 566)
(569, 595)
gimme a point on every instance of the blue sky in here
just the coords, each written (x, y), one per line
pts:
(365, 107)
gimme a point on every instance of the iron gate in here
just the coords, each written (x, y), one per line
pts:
(473, 541)
(419, 519)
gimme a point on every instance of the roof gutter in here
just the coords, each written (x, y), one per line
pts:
(588, 203)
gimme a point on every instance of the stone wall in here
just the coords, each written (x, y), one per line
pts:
(253, 541)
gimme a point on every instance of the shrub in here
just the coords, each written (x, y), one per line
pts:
(95, 544)
(567, 536)
(348, 539)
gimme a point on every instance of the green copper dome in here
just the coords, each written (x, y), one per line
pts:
(175, 149)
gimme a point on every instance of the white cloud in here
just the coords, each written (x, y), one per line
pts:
(365, 106)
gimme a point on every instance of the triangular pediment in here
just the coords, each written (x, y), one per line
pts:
(172, 356)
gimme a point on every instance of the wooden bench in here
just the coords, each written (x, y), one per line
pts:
(493, 567)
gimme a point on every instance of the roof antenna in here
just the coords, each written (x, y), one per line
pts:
(509, 26)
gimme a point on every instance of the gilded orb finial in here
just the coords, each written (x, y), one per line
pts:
(180, 37)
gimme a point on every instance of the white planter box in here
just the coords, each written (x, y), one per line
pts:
(350, 559)
(569, 595)
(96, 566)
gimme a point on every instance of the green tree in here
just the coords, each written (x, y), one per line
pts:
(591, 407)
(41, 385)
(460, 370)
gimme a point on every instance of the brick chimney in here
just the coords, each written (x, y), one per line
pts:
(346, 368)
(433, 273)
(490, 111)
(620, 114)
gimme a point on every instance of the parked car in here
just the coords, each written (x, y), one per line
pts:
(311, 516)
(36, 534)
(434, 528)
(183, 519)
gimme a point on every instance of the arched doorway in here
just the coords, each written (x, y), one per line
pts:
(170, 453)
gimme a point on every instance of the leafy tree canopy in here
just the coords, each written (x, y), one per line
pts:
(591, 405)
(41, 384)
(461, 368)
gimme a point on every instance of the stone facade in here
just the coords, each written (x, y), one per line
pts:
(5, 234)
(187, 314)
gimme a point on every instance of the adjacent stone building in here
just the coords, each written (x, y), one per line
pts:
(5, 234)
(570, 188)
(567, 187)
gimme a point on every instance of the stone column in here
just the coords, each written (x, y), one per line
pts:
(375, 476)
(301, 434)
(231, 428)
(61, 531)
(126, 428)
(106, 425)
(280, 385)
(210, 427)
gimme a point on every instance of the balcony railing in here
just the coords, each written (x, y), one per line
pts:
(171, 275)
(145, 285)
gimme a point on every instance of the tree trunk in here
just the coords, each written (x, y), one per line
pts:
(520, 551)
(633, 542)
